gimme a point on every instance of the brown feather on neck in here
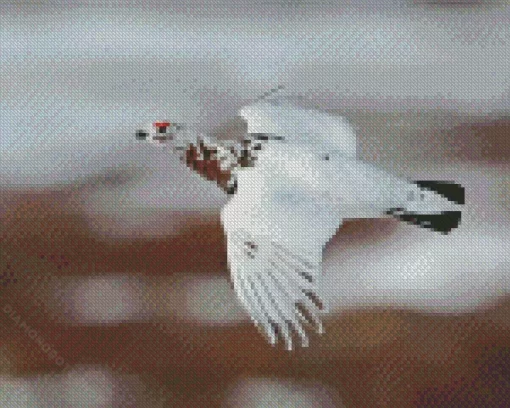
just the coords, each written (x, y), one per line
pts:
(204, 161)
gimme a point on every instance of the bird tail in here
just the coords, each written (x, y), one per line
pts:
(439, 221)
(452, 191)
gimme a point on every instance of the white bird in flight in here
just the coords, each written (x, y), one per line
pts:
(293, 179)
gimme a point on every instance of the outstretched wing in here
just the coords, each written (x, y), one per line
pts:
(275, 241)
(298, 125)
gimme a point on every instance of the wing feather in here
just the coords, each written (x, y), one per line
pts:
(256, 310)
(274, 249)
(299, 125)
(275, 287)
(286, 300)
(273, 309)
(306, 310)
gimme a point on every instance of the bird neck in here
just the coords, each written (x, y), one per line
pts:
(219, 162)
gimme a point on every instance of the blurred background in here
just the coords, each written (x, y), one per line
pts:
(114, 287)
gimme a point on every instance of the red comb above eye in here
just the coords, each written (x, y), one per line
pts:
(159, 124)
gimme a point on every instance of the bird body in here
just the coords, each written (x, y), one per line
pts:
(289, 196)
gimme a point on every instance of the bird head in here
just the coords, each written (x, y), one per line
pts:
(163, 133)
(166, 133)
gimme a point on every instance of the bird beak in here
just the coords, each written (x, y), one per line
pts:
(141, 134)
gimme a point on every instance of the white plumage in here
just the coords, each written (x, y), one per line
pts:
(291, 198)
(287, 208)
(276, 231)
(319, 130)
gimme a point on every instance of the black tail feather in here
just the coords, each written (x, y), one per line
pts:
(443, 222)
(452, 191)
